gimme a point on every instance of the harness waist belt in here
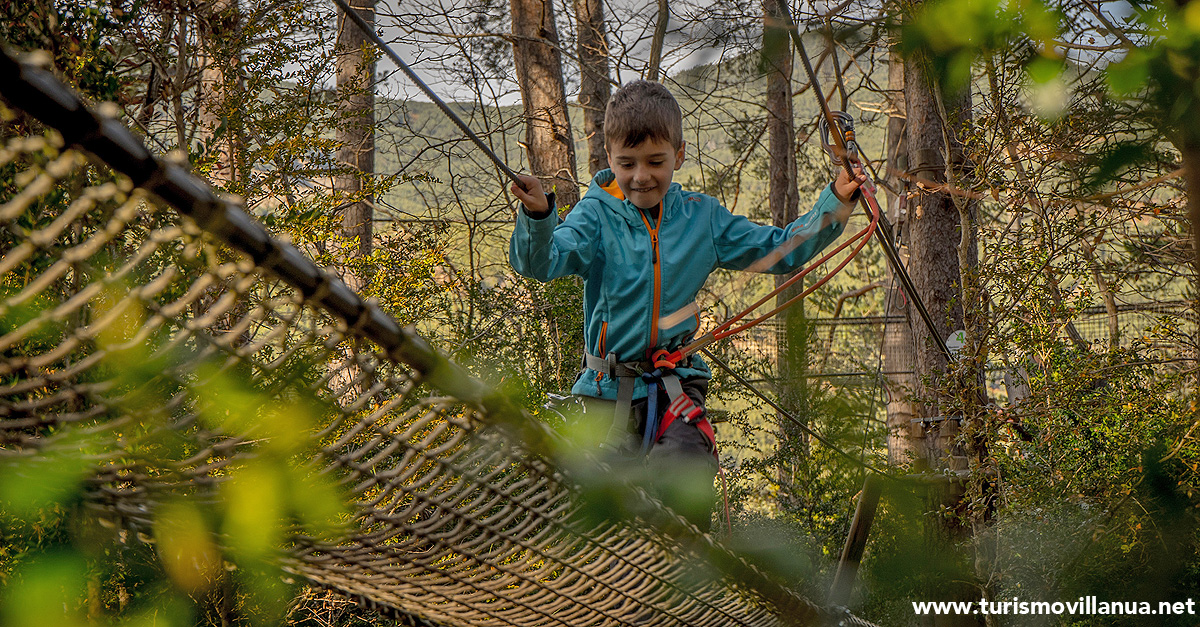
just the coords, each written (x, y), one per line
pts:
(621, 369)
(626, 372)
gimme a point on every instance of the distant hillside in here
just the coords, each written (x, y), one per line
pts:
(443, 174)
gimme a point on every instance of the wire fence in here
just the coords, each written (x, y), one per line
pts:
(850, 350)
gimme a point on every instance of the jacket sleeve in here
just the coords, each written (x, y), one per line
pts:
(548, 248)
(742, 244)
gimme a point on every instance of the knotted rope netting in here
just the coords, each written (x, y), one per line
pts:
(116, 310)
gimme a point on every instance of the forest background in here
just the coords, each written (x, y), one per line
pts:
(1036, 161)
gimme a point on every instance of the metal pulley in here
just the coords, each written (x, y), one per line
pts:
(847, 128)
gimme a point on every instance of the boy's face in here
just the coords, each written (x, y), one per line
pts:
(644, 171)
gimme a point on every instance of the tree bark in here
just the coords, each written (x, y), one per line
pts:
(1191, 173)
(941, 262)
(1190, 150)
(219, 125)
(653, 67)
(356, 134)
(356, 155)
(1106, 294)
(783, 198)
(217, 22)
(898, 349)
(548, 139)
(783, 195)
(594, 87)
(932, 228)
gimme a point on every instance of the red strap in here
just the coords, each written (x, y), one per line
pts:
(708, 432)
(683, 407)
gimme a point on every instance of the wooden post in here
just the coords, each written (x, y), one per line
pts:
(856, 542)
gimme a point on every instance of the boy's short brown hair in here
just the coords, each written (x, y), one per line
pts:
(642, 110)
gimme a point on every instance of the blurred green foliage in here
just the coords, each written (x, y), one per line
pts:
(1164, 76)
(951, 35)
(210, 556)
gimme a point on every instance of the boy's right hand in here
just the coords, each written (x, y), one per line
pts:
(533, 196)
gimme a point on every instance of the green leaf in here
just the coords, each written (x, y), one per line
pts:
(1041, 23)
(46, 592)
(1043, 70)
(254, 510)
(1129, 75)
(29, 485)
(319, 505)
(185, 546)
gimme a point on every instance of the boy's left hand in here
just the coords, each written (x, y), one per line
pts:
(845, 187)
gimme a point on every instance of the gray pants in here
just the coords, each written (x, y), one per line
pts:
(679, 468)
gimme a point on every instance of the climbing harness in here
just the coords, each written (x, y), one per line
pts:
(659, 374)
(649, 434)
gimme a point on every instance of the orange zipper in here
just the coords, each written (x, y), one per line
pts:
(603, 336)
(657, 273)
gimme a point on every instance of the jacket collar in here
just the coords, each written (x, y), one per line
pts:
(627, 210)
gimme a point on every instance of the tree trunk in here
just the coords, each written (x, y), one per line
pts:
(356, 135)
(941, 262)
(219, 125)
(933, 231)
(1106, 294)
(356, 156)
(783, 195)
(783, 200)
(653, 67)
(548, 139)
(217, 22)
(898, 350)
(1191, 172)
(594, 87)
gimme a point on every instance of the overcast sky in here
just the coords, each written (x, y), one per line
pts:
(630, 24)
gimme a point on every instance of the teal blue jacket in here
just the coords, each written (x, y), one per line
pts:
(637, 270)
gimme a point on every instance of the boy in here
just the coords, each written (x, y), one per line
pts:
(644, 248)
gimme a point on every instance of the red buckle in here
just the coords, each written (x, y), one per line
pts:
(684, 409)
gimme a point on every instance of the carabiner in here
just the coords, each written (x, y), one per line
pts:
(847, 127)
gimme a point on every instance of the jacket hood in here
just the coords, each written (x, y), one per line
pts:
(627, 210)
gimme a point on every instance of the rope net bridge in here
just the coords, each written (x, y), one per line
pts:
(121, 319)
